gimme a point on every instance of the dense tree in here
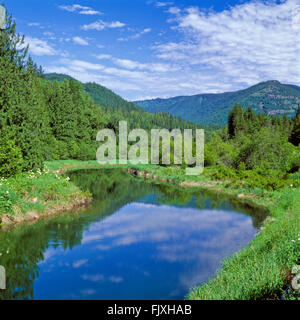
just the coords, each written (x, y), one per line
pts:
(295, 135)
(236, 121)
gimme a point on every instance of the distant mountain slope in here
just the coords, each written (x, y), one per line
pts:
(271, 97)
(101, 95)
(120, 109)
(108, 99)
(57, 77)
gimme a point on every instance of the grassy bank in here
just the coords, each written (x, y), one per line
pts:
(263, 269)
(28, 196)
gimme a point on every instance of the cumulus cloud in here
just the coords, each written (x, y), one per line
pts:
(40, 47)
(80, 9)
(101, 25)
(80, 41)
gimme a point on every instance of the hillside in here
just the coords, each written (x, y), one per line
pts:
(271, 98)
(120, 109)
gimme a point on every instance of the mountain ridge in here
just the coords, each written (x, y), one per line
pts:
(121, 109)
(269, 97)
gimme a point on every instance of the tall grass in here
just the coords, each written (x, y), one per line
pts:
(260, 270)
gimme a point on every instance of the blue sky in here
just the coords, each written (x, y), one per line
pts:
(145, 49)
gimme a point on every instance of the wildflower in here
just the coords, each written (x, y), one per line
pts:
(68, 179)
(293, 240)
(7, 192)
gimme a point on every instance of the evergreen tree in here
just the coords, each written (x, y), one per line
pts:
(236, 121)
(295, 135)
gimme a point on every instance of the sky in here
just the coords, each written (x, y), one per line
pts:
(144, 49)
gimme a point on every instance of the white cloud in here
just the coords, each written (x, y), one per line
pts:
(103, 56)
(34, 24)
(81, 66)
(243, 45)
(136, 35)
(90, 12)
(215, 52)
(49, 35)
(101, 25)
(40, 47)
(79, 263)
(163, 4)
(80, 9)
(80, 41)
(134, 65)
(174, 10)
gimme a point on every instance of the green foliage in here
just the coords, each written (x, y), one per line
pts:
(266, 149)
(219, 152)
(8, 199)
(254, 153)
(11, 161)
(120, 109)
(31, 191)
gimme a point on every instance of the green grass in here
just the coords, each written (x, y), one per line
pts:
(262, 269)
(36, 191)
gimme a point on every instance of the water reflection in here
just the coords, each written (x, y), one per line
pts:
(137, 241)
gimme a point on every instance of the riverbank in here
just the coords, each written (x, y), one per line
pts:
(262, 270)
(30, 196)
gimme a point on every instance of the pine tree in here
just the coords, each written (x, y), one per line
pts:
(19, 103)
(236, 122)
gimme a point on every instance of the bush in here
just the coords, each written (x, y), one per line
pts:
(267, 149)
(219, 152)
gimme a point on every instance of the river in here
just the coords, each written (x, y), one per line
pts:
(136, 241)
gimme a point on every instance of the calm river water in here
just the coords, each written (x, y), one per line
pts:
(137, 241)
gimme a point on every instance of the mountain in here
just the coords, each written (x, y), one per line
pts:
(270, 97)
(120, 109)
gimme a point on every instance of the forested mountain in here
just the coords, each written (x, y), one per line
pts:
(120, 109)
(270, 98)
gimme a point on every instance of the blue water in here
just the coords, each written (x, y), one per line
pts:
(137, 241)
